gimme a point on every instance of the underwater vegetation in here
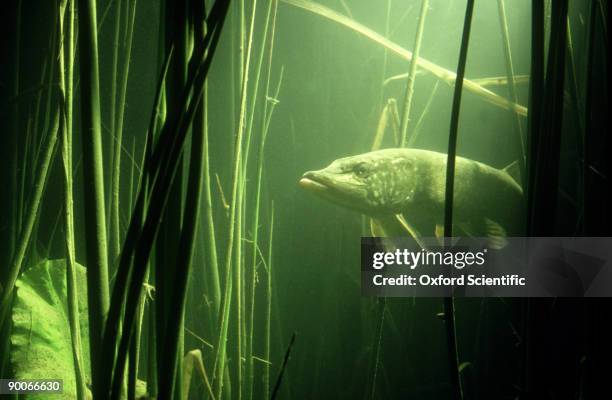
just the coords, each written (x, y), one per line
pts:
(156, 243)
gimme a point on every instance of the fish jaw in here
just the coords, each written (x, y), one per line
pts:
(311, 182)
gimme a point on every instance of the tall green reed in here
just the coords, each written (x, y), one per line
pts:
(117, 133)
(511, 84)
(412, 73)
(249, 364)
(234, 245)
(95, 213)
(66, 86)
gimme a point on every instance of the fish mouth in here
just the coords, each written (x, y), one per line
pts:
(320, 183)
(313, 182)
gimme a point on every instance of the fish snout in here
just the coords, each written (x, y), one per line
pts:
(309, 175)
(312, 180)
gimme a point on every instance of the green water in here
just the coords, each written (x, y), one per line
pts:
(333, 84)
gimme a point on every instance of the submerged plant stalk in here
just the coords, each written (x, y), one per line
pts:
(209, 228)
(412, 73)
(381, 325)
(30, 219)
(443, 74)
(272, 8)
(71, 279)
(233, 245)
(449, 305)
(283, 367)
(118, 140)
(136, 222)
(95, 220)
(503, 22)
(267, 331)
(161, 168)
(234, 241)
(175, 322)
(113, 108)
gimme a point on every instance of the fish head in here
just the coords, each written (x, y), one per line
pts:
(377, 183)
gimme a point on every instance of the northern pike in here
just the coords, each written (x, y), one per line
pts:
(404, 190)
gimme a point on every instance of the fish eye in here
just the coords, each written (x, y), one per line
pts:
(361, 170)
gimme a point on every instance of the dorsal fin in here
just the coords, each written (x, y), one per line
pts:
(514, 171)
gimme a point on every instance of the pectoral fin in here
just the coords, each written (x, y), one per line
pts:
(395, 226)
(376, 229)
(381, 228)
(411, 230)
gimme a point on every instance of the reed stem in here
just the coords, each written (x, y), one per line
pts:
(449, 305)
(283, 367)
(118, 140)
(381, 325)
(13, 145)
(161, 169)
(268, 314)
(412, 73)
(250, 371)
(65, 84)
(26, 231)
(30, 218)
(113, 111)
(175, 323)
(232, 267)
(419, 124)
(510, 77)
(449, 77)
(137, 220)
(245, 126)
(95, 220)
(209, 226)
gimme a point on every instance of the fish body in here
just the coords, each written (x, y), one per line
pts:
(410, 183)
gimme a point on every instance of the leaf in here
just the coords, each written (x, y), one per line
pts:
(41, 346)
(41, 343)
